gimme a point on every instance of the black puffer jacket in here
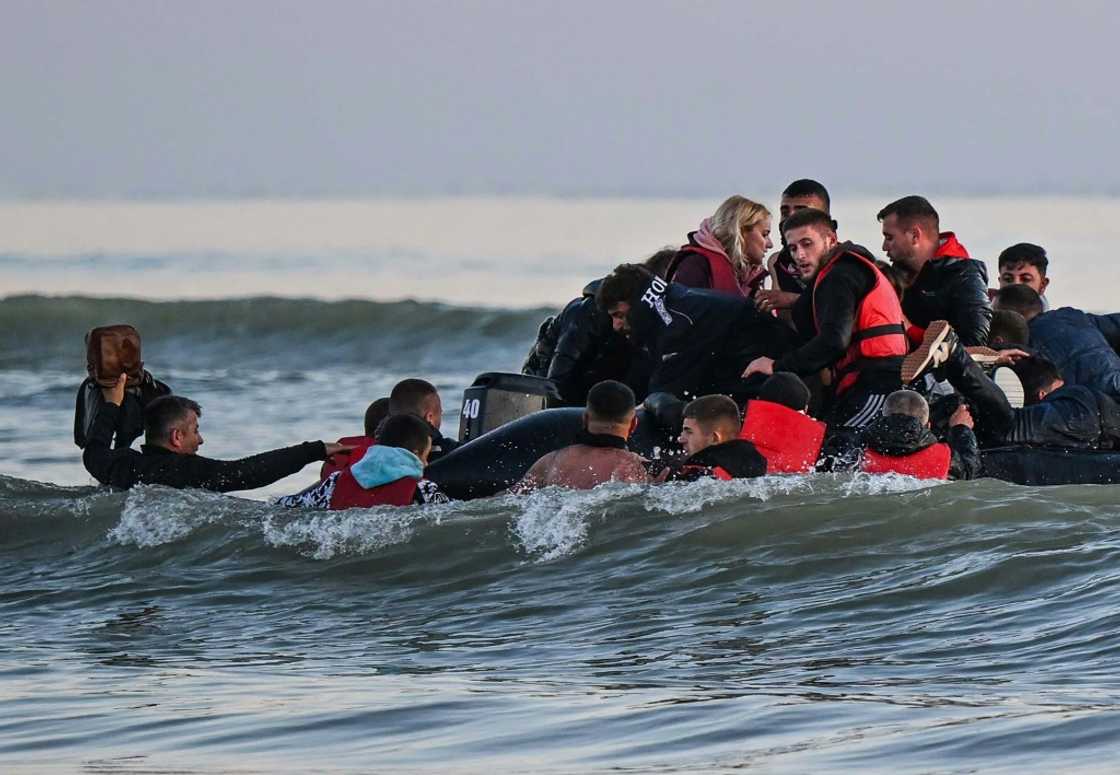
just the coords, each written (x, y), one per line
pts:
(700, 340)
(1071, 416)
(953, 289)
(899, 435)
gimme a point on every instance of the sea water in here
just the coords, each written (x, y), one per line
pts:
(785, 624)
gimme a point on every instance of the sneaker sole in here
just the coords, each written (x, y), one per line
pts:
(985, 356)
(916, 362)
(1008, 381)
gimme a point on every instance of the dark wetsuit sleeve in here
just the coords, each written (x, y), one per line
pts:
(693, 271)
(1109, 326)
(971, 311)
(965, 461)
(244, 474)
(105, 464)
(837, 299)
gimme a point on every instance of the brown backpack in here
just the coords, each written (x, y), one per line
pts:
(112, 351)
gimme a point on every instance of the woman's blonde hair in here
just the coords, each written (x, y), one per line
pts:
(731, 220)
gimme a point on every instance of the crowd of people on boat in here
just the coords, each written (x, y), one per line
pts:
(814, 357)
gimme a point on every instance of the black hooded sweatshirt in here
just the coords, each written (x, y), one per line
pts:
(899, 435)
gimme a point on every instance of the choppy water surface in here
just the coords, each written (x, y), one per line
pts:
(786, 624)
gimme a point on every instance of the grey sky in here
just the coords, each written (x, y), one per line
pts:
(638, 98)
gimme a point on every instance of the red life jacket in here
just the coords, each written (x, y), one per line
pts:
(348, 494)
(789, 440)
(344, 459)
(929, 463)
(721, 474)
(877, 332)
(724, 278)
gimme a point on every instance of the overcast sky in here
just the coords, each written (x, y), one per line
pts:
(638, 98)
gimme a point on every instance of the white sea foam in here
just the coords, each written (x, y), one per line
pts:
(553, 522)
(154, 515)
(354, 531)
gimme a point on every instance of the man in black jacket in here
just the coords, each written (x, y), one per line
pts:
(699, 340)
(580, 348)
(943, 283)
(170, 456)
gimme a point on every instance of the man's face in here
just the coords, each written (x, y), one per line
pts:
(809, 247)
(899, 244)
(791, 204)
(185, 438)
(620, 317)
(693, 437)
(1023, 274)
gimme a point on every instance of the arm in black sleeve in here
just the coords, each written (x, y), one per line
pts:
(247, 473)
(970, 314)
(1109, 326)
(837, 299)
(965, 461)
(576, 340)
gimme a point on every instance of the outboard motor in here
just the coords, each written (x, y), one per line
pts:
(497, 398)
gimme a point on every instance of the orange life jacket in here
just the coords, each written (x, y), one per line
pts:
(877, 331)
(789, 440)
(930, 463)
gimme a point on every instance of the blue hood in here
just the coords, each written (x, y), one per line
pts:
(381, 465)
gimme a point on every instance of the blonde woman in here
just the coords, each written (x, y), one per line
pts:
(728, 252)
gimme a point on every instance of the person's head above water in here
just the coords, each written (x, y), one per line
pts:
(171, 422)
(610, 409)
(909, 403)
(787, 389)
(1040, 378)
(911, 232)
(375, 413)
(1009, 328)
(618, 290)
(1024, 264)
(709, 420)
(407, 431)
(742, 226)
(1019, 298)
(417, 397)
(810, 237)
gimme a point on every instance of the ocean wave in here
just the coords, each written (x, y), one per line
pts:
(43, 331)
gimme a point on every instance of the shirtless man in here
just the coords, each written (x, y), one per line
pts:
(599, 454)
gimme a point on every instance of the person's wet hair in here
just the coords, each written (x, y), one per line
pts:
(610, 401)
(910, 210)
(624, 284)
(1037, 374)
(804, 187)
(1019, 298)
(809, 217)
(406, 431)
(164, 414)
(410, 396)
(659, 262)
(375, 413)
(1025, 253)
(787, 389)
(715, 412)
(909, 403)
(1009, 328)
